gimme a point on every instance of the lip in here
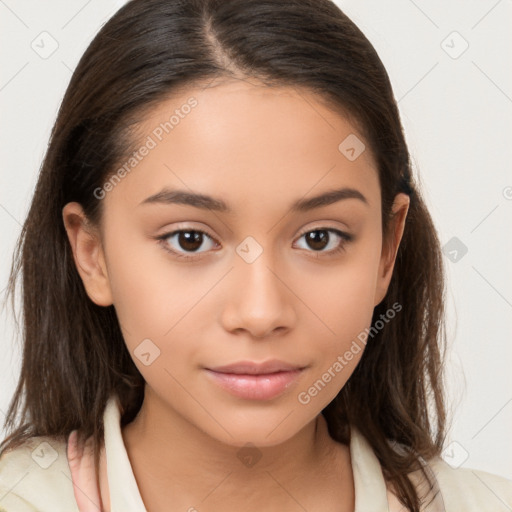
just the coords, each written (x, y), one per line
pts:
(255, 387)
(255, 381)
(255, 368)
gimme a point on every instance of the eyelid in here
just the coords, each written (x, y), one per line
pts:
(324, 227)
(186, 227)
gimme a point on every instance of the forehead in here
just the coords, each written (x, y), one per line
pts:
(244, 140)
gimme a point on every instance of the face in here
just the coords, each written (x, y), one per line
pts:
(260, 272)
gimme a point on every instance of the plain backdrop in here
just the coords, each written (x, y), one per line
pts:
(449, 63)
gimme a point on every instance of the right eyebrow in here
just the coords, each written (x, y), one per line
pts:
(205, 202)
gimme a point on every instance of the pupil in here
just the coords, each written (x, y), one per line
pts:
(190, 242)
(317, 237)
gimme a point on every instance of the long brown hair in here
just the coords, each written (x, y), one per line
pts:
(74, 356)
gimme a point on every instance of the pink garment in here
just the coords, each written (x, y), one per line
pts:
(83, 475)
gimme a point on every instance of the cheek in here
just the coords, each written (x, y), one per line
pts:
(343, 299)
(150, 293)
(160, 304)
(343, 294)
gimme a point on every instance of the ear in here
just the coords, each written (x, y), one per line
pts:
(390, 245)
(88, 254)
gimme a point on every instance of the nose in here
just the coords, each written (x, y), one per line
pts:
(260, 301)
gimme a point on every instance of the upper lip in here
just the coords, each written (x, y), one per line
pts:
(255, 368)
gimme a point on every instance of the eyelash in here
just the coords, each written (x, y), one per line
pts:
(345, 238)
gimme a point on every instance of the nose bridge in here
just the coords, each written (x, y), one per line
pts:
(253, 268)
(259, 300)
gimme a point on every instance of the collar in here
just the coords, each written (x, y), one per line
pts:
(369, 483)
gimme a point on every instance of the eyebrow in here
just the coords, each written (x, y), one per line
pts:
(205, 202)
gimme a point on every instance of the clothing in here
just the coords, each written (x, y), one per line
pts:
(48, 476)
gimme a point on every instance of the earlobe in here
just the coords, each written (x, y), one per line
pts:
(88, 254)
(390, 246)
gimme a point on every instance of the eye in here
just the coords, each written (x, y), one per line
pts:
(185, 243)
(186, 240)
(320, 238)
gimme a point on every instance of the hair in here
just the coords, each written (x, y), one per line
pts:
(73, 354)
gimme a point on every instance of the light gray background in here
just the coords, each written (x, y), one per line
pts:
(456, 109)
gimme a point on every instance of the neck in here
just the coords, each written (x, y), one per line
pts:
(170, 452)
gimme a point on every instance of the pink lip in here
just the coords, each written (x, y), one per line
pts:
(254, 368)
(255, 387)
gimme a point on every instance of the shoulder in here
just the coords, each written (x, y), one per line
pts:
(457, 489)
(470, 489)
(35, 477)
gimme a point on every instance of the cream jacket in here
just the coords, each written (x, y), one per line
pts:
(38, 477)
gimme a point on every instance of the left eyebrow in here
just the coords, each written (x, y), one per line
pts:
(205, 202)
(327, 198)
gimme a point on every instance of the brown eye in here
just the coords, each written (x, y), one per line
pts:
(184, 241)
(190, 240)
(319, 239)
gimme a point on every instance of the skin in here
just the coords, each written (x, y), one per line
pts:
(259, 149)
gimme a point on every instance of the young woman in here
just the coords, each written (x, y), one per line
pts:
(232, 288)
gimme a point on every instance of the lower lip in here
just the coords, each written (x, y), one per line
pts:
(255, 387)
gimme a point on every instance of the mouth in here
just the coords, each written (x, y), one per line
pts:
(255, 368)
(256, 381)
